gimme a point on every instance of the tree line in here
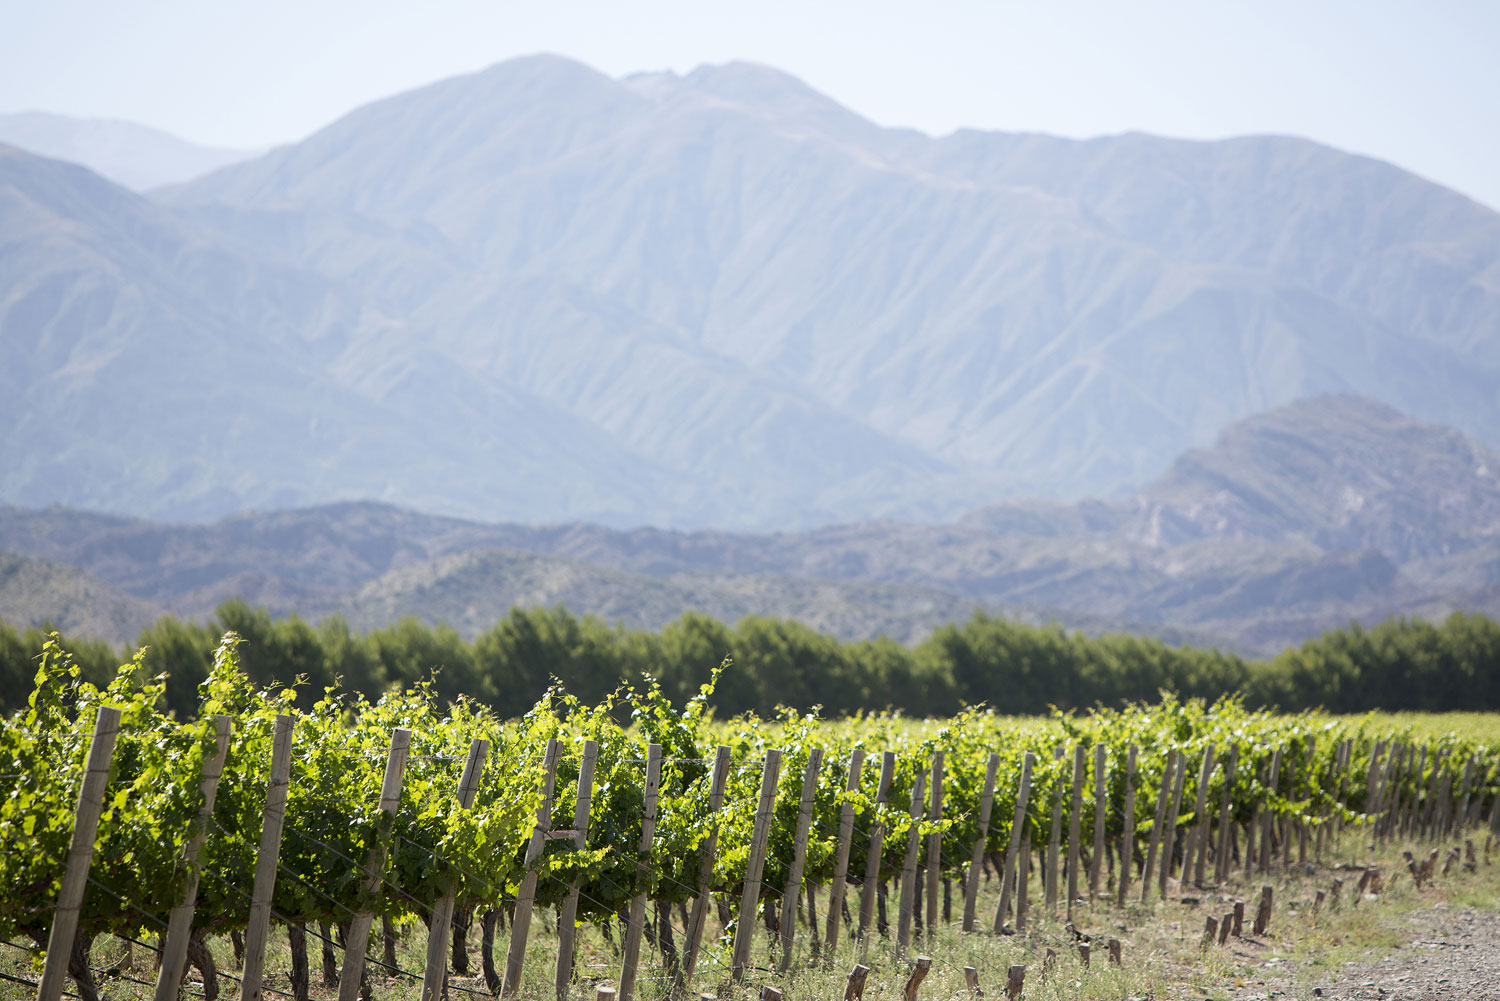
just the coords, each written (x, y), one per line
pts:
(1399, 664)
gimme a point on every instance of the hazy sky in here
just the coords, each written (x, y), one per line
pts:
(1413, 83)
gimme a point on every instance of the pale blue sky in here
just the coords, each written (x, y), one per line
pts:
(1413, 83)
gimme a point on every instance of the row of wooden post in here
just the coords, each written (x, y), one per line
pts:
(1433, 813)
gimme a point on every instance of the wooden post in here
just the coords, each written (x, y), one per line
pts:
(520, 924)
(841, 857)
(1017, 827)
(1210, 931)
(1015, 981)
(630, 954)
(1461, 817)
(174, 946)
(1100, 816)
(744, 926)
(854, 988)
(706, 865)
(1226, 924)
(1127, 833)
(793, 887)
(264, 888)
(1198, 834)
(1221, 855)
(603, 992)
(1263, 912)
(934, 842)
(1163, 793)
(567, 913)
(1169, 827)
(1083, 953)
(358, 935)
(1023, 877)
(976, 862)
(876, 848)
(1113, 945)
(80, 854)
(1266, 815)
(1239, 919)
(436, 969)
(1050, 876)
(971, 982)
(914, 982)
(1075, 826)
(769, 993)
(909, 865)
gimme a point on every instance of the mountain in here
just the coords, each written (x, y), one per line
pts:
(131, 155)
(537, 293)
(39, 593)
(1297, 520)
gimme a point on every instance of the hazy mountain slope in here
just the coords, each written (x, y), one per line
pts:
(145, 365)
(38, 593)
(132, 155)
(942, 320)
(1295, 521)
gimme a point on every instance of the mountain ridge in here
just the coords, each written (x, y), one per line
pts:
(1200, 555)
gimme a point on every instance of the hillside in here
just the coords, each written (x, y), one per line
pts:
(39, 593)
(133, 156)
(536, 293)
(1294, 521)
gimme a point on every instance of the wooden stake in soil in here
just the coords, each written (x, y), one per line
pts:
(914, 982)
(603, 993)
(1015, 981)
(971, 982)
(1239, 919)
(630, 954)
(744, 926)
(1083, 953)
(174, 947)
(1127, 833)
(1266, 815)
(854, 989)
(1169, 828)
(1051, 875)
(1221, 855)
(976, 862)
(1263, 912)
(1163, 794)
(567, 914)
(841, 858)
(872, 855)
(1017, 825)
(934, 843)
(706, 864)
(259, 925)
(1113, 945)
(769, 993)
(1075, 826)
(80, 854)
(1198, 833)
(520, 924)
(358, 935)
(793, 888)
(1101, 791)
(434, 974)
(1226, 924)
(909, 866)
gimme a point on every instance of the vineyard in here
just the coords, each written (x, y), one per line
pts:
(708, 855)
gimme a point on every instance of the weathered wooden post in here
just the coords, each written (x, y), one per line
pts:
(793, 886)
(630, 954)
(174, 946)
(80, 854)
(264, 888)
(567, 913)
(358, 935)
(1017, 825)
(976, 862)
(520, 924)
(744, 926)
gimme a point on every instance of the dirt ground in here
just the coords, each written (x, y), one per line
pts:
(1452, 954)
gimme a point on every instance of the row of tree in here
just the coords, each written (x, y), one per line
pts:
(1399, 664)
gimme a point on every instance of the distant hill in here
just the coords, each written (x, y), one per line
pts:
(131, 155)
(536, 293)
(39, 593)
(1297, 520)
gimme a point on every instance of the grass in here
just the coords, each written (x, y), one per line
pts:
(1162, 952)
